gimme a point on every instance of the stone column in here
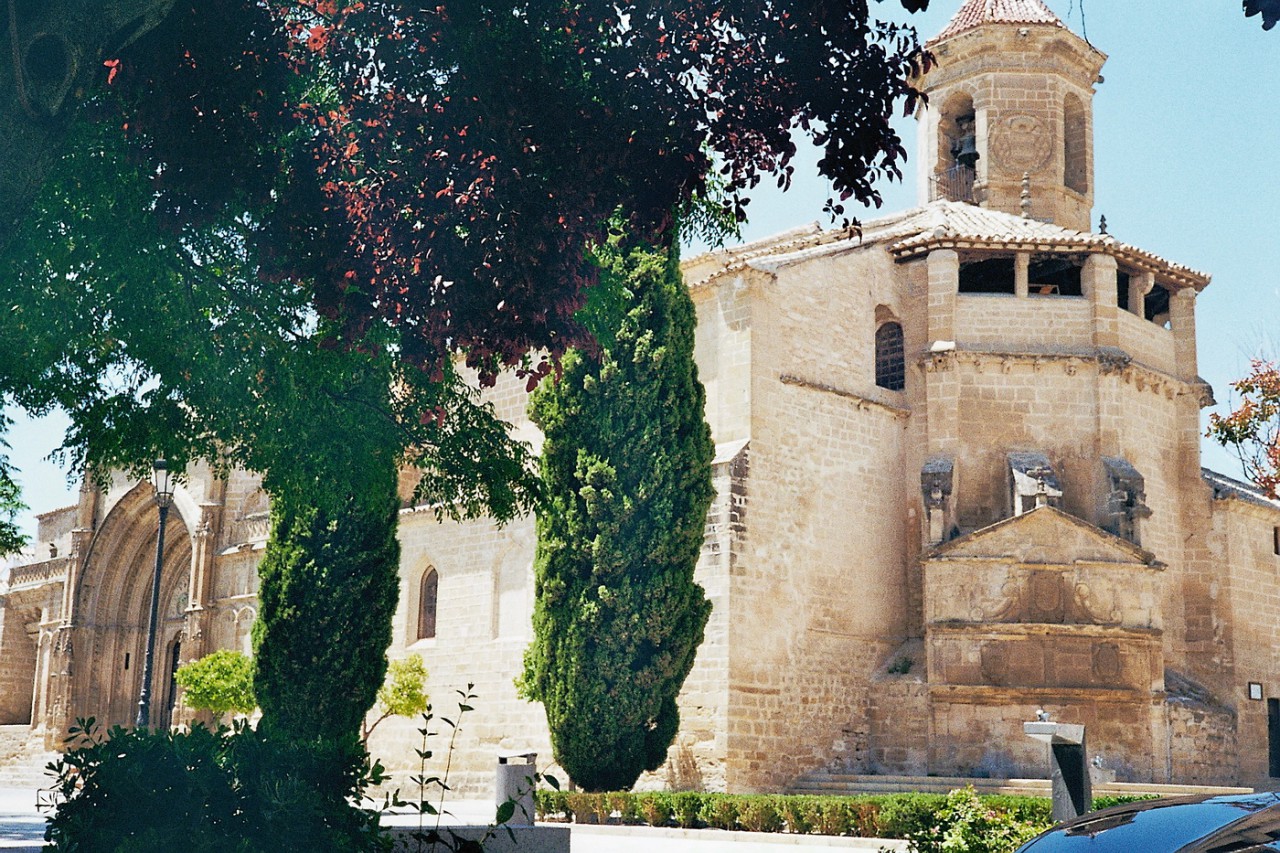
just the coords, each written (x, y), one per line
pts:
(1021, 273)
(942, 395)
(1182, 320)
(1139, 287)
(944, 284)
(1098, 280)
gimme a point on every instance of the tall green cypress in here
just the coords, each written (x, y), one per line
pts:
(327, 594)
(626, 467)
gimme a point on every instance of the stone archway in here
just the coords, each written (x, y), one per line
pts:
(111, 609)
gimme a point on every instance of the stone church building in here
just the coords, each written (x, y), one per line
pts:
(958, 481)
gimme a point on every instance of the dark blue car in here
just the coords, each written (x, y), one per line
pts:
(1241, 823)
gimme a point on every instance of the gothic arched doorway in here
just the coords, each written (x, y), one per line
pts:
(111, 610)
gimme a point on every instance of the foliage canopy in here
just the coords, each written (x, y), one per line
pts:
(1252, 430)
(404, 693)
(220, 682)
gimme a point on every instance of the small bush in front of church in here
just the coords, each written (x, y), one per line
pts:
(208, 791)
(220, 683)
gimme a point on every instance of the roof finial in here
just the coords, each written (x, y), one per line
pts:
(1102, 224)
(1026, 195)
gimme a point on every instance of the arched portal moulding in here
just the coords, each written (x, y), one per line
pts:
(110, 607)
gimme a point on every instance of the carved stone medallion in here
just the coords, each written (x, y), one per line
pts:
(1047, 601)
(1106, 664)
(1021, 143)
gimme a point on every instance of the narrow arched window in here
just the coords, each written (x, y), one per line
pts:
(427, 604)
(891, 368)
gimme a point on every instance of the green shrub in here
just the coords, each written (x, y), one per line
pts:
(720, 811)
(207, 791)
(552, 804)
(655, 808)
(760, 814)
(624, 803)
(685, 806)
(864, 814)
(1109, 801)
(966, 824)
(798, 812)
(218, 683)
(586, 807)
(902, 815)
(1028, 809)
(833, 817)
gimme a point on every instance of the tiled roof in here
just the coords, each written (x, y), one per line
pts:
(1225, 488)
(938, 225)
(953, 224)
(975, 13)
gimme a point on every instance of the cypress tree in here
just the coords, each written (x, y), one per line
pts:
(328, 585)
(626, 467)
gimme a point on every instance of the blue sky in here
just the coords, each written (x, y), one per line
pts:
(1187, 130)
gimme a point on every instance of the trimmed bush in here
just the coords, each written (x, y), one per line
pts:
(552, 804)
(655, 808)
(759, 814)
(587, 807)
(798, 812)
(720, 811)
(685, 806)
(625, 805)
(902, 815)
(959, 822)
(833, 816)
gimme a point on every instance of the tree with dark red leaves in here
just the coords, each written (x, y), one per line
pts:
(1268, 9)
(343, 196)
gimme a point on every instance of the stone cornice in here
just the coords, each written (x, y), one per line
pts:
(1005, 630)
(860, 401)
(1108, 361)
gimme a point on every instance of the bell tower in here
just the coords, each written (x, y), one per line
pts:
(1009, 119)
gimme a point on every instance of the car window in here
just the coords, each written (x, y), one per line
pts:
(1158, 828)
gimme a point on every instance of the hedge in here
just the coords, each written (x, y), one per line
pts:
(924, 819)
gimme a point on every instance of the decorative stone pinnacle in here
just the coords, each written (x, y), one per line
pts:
(1102, 224)
(1026, 195)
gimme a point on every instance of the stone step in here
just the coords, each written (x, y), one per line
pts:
(28, 773)
(13, 741)
(851, 784)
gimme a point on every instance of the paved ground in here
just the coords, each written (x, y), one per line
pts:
(22, 831)
(21, 826)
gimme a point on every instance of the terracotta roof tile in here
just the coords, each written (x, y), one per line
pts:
(937, 225)
(975, 13)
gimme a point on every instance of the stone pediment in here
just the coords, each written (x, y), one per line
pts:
(1047, 536)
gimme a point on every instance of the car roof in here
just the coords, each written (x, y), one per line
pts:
(1223, 824)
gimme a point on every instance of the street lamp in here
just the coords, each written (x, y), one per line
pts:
(164, 500)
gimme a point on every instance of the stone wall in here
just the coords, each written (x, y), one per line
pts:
(1203, 744)
(1026, 324)
(819, 599)
(17, 665)
(1246, 550)
(898, 735)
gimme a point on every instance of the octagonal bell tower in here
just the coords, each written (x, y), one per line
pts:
(1009, 119)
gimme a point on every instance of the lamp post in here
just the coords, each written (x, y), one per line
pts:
(164, 500)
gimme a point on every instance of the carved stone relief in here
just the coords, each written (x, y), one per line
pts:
(1020, 144)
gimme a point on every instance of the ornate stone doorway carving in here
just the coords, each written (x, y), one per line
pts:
(111, 609)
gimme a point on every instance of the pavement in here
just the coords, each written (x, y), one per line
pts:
(22, 831)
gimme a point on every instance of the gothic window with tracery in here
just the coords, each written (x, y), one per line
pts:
(891, 368)
(427, 593)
